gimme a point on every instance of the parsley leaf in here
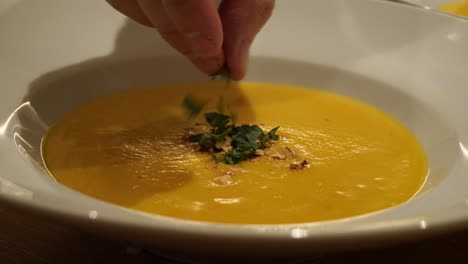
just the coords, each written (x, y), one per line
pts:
(244, 143)
(223, 73)
(221, 105)
(237, 155)
(247, 137)
(217, 121)
(272, 134)
(192, 106)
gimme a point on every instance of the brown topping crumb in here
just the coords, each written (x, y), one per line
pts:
(225, 144)
(290, 153)
(225, 179)
(299, 166)
(227, 149)
(278, 156)
(190, 131)
(260, 152)
(195, 147)
(237, 169)
(186, 135)
(192, 146)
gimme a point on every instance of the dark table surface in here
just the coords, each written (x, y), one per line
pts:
(27, 238)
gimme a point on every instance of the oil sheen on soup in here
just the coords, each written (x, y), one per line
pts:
(128, 149)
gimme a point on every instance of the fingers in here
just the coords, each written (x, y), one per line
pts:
(156, 13)
(242, 20)
(193, 27)
(131, 9)
(199, 22)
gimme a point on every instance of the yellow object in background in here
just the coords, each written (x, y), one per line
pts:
(457, 8)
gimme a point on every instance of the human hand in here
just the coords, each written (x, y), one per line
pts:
(207, 36)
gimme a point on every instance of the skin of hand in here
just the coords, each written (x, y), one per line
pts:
(210, 36)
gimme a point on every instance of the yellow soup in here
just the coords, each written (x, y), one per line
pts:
(458, 8)
(128, 149)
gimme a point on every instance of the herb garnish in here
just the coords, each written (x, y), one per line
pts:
(192, 106)
(231, 143)
(226, 141)
(223, 73)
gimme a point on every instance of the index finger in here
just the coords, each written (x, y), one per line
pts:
(199, 22)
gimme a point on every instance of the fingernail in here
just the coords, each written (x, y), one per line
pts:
(209, 65)
(201, 45)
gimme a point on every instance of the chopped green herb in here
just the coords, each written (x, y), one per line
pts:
(217, 121)
(222, 73)
(272, 134)
(221, 105)
(244, 140)
(226, 141)
(192, 106)
(233, 117)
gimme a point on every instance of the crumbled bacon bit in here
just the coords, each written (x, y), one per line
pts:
(278, 156)
(299, 166)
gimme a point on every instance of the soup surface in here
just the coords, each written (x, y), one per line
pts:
(458, 7)
(128, 149)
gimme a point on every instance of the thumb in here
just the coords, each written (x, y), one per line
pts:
(242, 20)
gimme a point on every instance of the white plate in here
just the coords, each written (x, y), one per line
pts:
(55, 55)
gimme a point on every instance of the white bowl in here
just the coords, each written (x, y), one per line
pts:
(411, 63)
(429, 3)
